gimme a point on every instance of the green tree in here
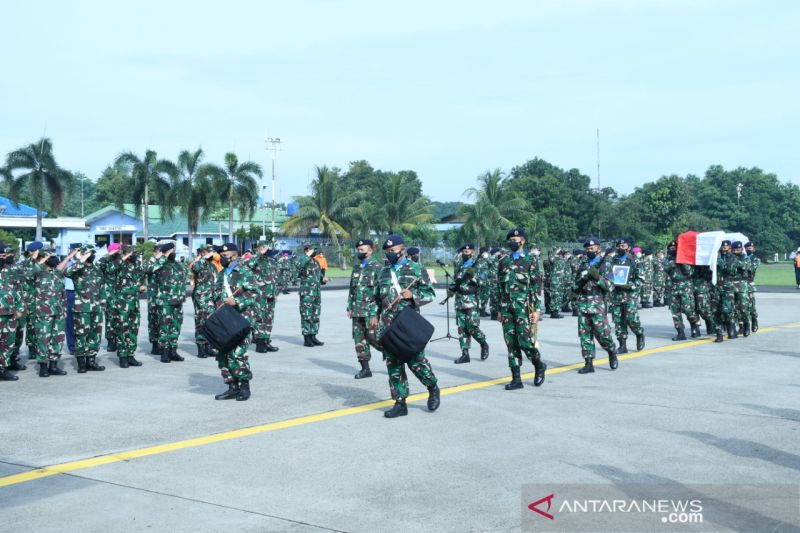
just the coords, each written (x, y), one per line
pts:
(34, 167)
(496, 209)
(111, 187)
(326, 208)
(194, 190)
(403, 207)
(149, 178)
(237, 182)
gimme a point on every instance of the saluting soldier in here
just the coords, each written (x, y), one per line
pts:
(127, 282)
(310, 276)
(28, 274)
(659, 279)
(361, 302)
(401, 284)
(87, 309)
(15, 275)
(466, 288)
(152, 304)
(111, 315)
(170, 295)
(624, 299)
(265, 272)
(520, 307)
(11, 310)
(49, 312)
(204, 274)
(755, 262)
(235, 287)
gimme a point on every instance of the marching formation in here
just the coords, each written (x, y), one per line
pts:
(385, 296)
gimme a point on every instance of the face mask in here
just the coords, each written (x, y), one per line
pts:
(224, 261)
(171, 257)
(621, 252)
(362, 255)
(90, 259)
(465, 257)
(514, 245)
(132, 258)
(591, 255)
(392, 257)
(52, 261)
(10, 260)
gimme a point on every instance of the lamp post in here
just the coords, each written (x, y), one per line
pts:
(272, 144)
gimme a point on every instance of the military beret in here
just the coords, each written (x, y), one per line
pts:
(74, 245)
(483, 250)
(217, 248)
(413, 250)
(516, 232)
(636, 250)
(393, 240)
(33, 246)
(209, 248)
(623, 240)
(494, 250)
(6, 249)
(675, 244)
(610, 251)
(726, 242)
(166, 247)
(114, 246)
(748, 244)
(230, 247)
(364, 242)
(468, 246)
(736, 244)
(591, 241)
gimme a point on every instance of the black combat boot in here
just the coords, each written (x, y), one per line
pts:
(173, 355)
(164, 355)
(17, 366)
(81, 364)
(484, 351)
(131, 361)
(398, 409)
(5, 375)
(365, 372)
(695, 330)
(538, 377)
(516, 382)
(307, 341)
(732, 331)
(709, 327)
(32, 353)
(681, 336)
(244, 391)
(745, 328)
(270, 347)
(43, 370)
(230, 394)
(588, 367)
(623, 346)
(261, 346)
(92, 366)
(201, 351)
(433, 398)
(112, 345)
(123, 362)
(719, 336)
(555, 314)
(613, 362)
(464, 357)
(640, 342)
(156, 349)
(316, 341)
(575, 312)
(54, 370)
(483, 313)
(753, 325)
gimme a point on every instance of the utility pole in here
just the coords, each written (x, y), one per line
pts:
(272, 144)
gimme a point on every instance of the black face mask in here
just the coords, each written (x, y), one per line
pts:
(392, 257)
(671, 253)
(514, 245)
(171, 257)
(132, 258)
(465, 257)
(591, 255)
(90, 259)
(224, 261)
(621, 252)
(362, 255)
(52, 261)
(10, 260)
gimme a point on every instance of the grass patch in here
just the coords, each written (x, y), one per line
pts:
(776, 274)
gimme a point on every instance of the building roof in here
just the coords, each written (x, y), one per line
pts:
(7, 209)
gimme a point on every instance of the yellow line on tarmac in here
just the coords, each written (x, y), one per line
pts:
(83, 464)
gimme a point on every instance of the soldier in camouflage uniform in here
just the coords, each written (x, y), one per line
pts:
(624, 299)
(659, 280)
(703, 289)
(112, 322)
(755, 262)
(401, 273)
(547, 269)
(574, 266)
(589, 286)
(236, 287)
(682, 301)
(15, 276)
(494, 303)
(204, 275)
(87, 310)
(482, 267)
(727, 265)
(28, 324)
(557, 278)
(361, 306)
(742, 285)
(310, 276)
(265, 271)
(152, 305)
(645, 265)
(284, 272)
(520, 305)
(49, 312)
(170, 295)
(466, 289)
(11, 310)
(126, 283)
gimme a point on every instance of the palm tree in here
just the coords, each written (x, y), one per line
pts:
(194, 190)
(326, 208)
(149, 176)
(403, 209)
(40, 176)
(495, 192)
(237, 182)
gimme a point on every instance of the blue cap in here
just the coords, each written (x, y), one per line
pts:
(166, 247)
(393, 240)
(413, 251)
(736, 244)
(33, 246)
(624, 240)
(591, 241)
(468, 246)
(516, 232)
(230, 247)
(726, 242)
(364, 242)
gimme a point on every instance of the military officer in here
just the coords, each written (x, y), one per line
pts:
(49, 312)
(742, 287)
(87, 310)
(170, 295)
(265, 272)
(624, 298)
(466, 288)
(682, 289)
(755, 262)
(204, 275)
(361, 302)
(727, 265)
(11, 310)
(310, 276)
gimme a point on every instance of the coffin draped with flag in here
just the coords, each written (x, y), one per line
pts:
(702, 248)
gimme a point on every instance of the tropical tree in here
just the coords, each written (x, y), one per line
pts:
(149, 178)
(402, 205)
(326, 208)
(496, 208)
(194, 190)
(237, 182)
(33, 169)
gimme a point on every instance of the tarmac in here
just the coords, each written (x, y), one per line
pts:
(149, 449)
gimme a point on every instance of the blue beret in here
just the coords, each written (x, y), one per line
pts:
(364, 242)
(726, 242)
(748, 244)
(516, 232)
(468, 246)
(591, 241)
(624, 240)
(230, 247)
(736, 244)
(413, 250)
(393, 240)
(75, 245)
(35, 245)
(166, 247)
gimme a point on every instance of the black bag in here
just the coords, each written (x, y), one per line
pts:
(407, 335)
(226, 328)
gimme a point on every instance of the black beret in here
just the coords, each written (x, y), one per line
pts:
(166, 247)
(230, 247)
(748, 244)
(591, 241)
(393, 240)
(468, 246)
(624, 240)
(675, 244)
(726, 242)
(413, 250)
(736, 244)
(364, 242)
(610, 250)
(494, 250)
(516, 232)
(74, 245)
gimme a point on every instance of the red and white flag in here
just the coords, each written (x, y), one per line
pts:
(696, 248)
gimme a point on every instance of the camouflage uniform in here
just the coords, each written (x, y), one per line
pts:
(152, 305)
(265, 275)
(127, 278)
(108, 271)
(659, 281)
(15, 274)
(48, 312)
(559, 266)
(589, 293)
(702, 297)
(310, 298)
(238, 282)
(171, 293)
(29, 323)
(682, 294)
(646, 268)
(494, 303)
(726, 289)
(284, 273)
(10, 304)
(482, 267)
(742, 296)
(755, 262)
(204, 274)
(422, 292)
(88, 307)
(518, 281)
(547, 270)
(624, 300)
(466, 287)
(361, 303)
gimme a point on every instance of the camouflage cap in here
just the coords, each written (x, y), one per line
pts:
(86, 248)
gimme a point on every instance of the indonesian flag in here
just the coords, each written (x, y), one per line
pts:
(695, 248)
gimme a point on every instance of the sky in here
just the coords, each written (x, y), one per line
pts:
(448, 89)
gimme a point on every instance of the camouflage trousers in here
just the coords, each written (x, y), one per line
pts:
(483, 296)
(494, 305)
(88, 328)
(8, 337)
(361, 333)
(742, 301)
(646, 293)
(309, 315)
(658, 291)
(20, 335)
(682, 303)
(591, 326)
(128, 315)
(556, 297)
(625, 313)
(203, 308)
(170, 318)
(517, 334)
(152, 320)
(264, 318)
(751, 300)
(727, 297)
(704, 305)
(398, 381)
(49, 337)
(112, 324)
(30, 331)
(233, 365)
(468, 322)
